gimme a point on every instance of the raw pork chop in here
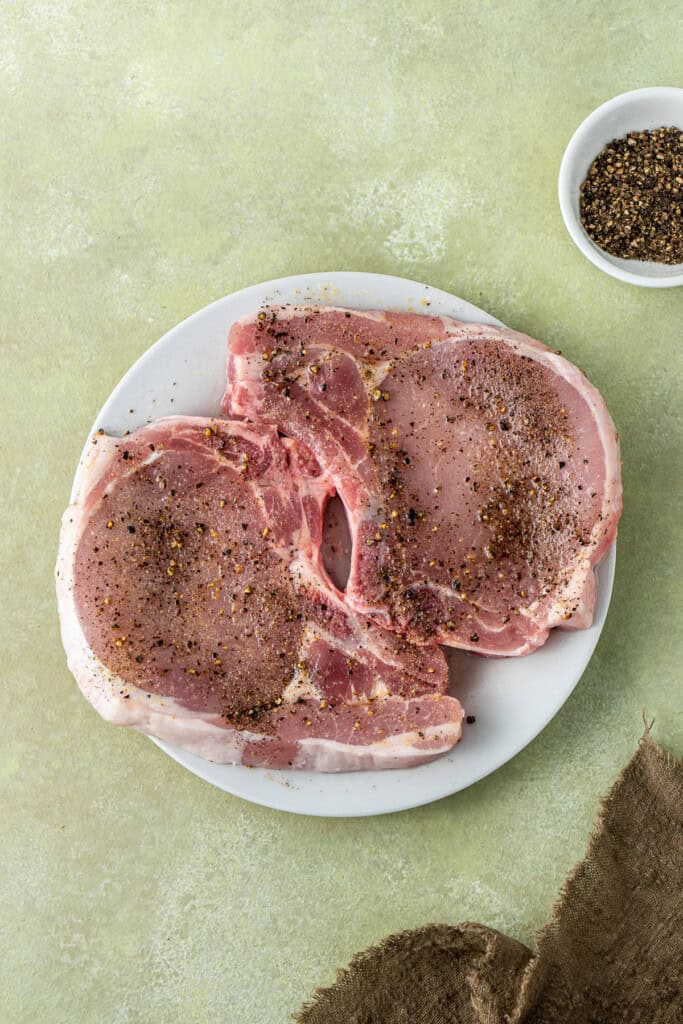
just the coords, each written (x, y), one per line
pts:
(194, 607)
(479, 470)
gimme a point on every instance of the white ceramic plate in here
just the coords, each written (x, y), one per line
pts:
(512, 699)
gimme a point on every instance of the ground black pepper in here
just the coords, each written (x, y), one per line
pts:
(632, 197)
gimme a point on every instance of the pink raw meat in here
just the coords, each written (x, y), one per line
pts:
(194, 607)
(479, 470)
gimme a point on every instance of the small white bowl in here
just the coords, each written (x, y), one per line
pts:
(639, 110)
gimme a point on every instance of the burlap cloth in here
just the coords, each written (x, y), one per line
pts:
(612, 952)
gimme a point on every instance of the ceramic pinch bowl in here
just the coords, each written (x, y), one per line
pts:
(639, 110)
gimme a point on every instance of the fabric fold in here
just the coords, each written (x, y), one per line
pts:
(612, 952)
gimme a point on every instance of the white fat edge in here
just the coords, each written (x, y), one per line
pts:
(93, 464)
(398, 751)
(92, 468)
(199, 735)
(462, 328)
(248, 367)
(293, 312)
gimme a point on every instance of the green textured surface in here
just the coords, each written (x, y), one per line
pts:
(151, 160)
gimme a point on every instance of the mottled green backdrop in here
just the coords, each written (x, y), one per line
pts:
(157, 155)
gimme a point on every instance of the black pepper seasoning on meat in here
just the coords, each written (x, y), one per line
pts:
(632, 197)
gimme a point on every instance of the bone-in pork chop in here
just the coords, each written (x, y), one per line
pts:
(195, 607)
(479, 470)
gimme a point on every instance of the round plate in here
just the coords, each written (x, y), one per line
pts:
(511, 698)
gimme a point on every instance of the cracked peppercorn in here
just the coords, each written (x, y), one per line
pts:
(632, 197)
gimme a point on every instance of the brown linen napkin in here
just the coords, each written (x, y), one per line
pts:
(611, 954)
